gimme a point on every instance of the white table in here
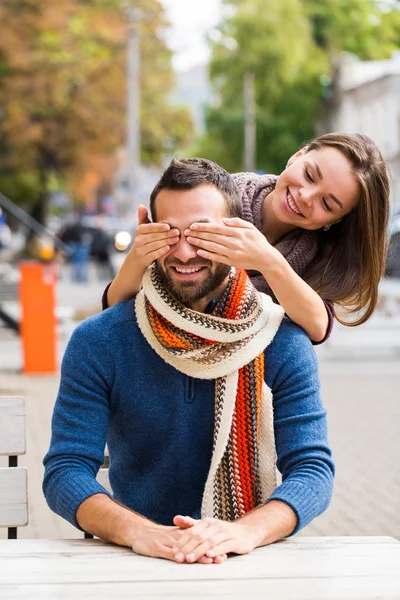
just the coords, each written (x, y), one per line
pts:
(300, 569)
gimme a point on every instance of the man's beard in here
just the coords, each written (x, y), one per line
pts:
(192, 291)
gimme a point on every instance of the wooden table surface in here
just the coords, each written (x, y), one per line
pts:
(324, 568)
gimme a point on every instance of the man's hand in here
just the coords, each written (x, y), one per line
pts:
(158, 541)
(215, 539)
(212, 538)
(112, 521)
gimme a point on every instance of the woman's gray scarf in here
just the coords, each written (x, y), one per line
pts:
(299, 247)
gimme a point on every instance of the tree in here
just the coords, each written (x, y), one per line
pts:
(63, 91)
(290, 46)
(368, 29)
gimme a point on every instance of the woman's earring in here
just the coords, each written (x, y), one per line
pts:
(326, 227)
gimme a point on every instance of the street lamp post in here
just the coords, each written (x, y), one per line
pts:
(249, 121)
(134, 15)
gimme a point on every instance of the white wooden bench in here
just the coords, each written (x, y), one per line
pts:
(13, 479)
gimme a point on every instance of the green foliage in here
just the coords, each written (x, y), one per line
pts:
(290, 46)
(367, 28)
(22, 187)
(63, 90)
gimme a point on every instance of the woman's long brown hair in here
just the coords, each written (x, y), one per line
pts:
(352, 253)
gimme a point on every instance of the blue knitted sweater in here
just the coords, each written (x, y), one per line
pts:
(158, 424)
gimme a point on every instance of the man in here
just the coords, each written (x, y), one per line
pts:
(181, 398)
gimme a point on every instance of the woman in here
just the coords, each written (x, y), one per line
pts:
(312, 238)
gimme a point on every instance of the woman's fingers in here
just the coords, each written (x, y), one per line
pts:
(214, 229)
(233, 239)
(151, 252)
(232, 253)
(151, 242)
(142, 214)
(155, 228)
(213, 247)
(151, 246)
(236, 222)
(219, 258)
(208, 236)
(155, 237)
(226, 229)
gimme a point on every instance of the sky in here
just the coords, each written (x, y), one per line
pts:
(190, 22)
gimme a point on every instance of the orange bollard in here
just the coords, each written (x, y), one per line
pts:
(38, 327)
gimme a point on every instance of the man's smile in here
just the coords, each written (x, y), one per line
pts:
(187, 272)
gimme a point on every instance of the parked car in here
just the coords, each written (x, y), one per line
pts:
(121, 232)
(103, 234)
(393, 256)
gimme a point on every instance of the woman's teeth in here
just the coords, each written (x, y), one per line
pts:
(292, 205)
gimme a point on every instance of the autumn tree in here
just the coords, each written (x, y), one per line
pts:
(63, 92)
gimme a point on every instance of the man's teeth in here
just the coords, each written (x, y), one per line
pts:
(187, 271)
(292, 204)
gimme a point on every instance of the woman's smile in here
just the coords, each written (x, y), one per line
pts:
(307, 191)
(291, 204)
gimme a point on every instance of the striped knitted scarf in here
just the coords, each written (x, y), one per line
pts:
(228, 346)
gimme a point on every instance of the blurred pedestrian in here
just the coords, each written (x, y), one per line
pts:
(5, 233)
(393, 260)
(78, 240)
(101, 253)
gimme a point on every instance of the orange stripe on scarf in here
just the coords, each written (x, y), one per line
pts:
(234, 493)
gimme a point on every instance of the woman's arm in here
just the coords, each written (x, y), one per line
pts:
(300, 302)
(241, 245)
(128, 280)
(152, 241)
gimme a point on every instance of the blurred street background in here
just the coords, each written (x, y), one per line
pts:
(95, 99)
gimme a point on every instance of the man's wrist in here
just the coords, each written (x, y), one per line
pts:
(252, 530)
(108, 519)
(269, 523)
(138, 536)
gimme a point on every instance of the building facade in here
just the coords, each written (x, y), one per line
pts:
(366, 99)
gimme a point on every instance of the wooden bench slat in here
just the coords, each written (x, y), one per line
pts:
(12, 426)
(13, 497)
